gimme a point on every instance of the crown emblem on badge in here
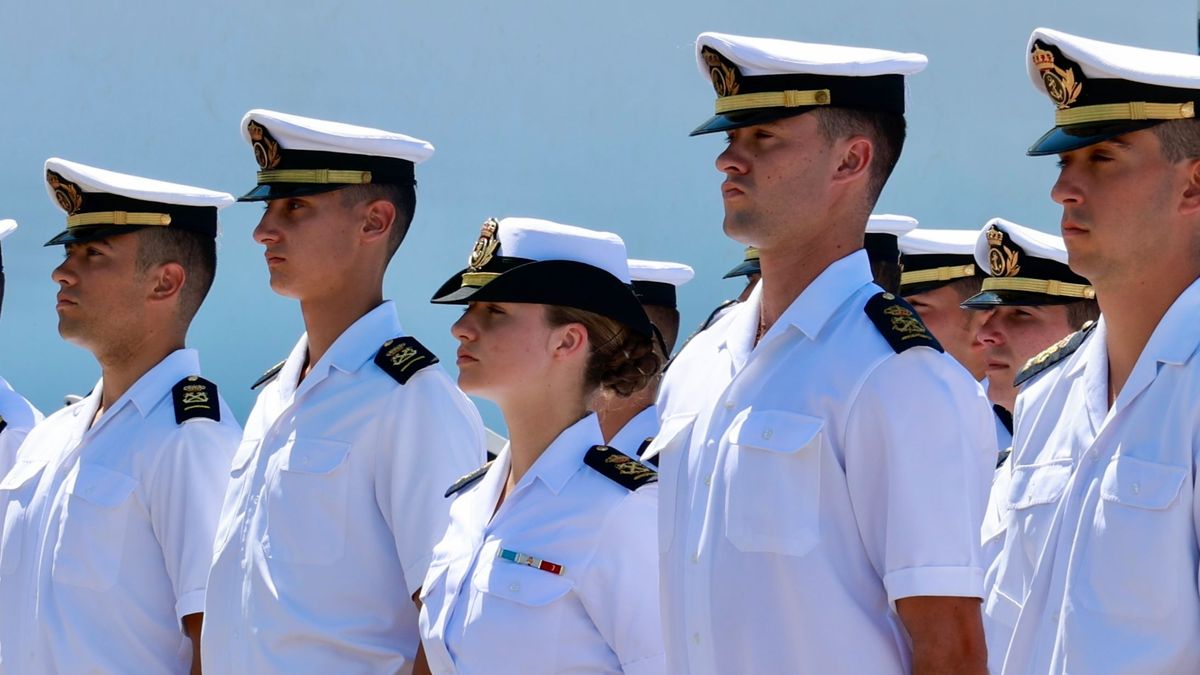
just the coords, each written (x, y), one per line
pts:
(722, 71)
(1003, 261)
(66, 193)
(266, 149)
(1060, 81)
(485, 247)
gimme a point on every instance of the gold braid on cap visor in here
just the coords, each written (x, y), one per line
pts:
(1043, 286)
(791, 98)
(314, 176)
(478, 279)
(937, 274)
(117, 218)
(1135, 110)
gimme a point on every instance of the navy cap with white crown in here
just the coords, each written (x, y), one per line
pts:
(101, 203)
(1026, 268)
(760, 80)
(933, 258)
(883, 235)
(1102, 90)
(528, 260)
(654, 281)
(300, 156)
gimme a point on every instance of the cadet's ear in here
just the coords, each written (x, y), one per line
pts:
(857, 153)
(379, 217)
(568, 340)
(168, 280)
(1190, 204)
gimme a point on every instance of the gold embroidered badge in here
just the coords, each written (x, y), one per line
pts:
(1004, 261)
(627, 466)
(66, 193)
(266, 150)
(722, 71)
(1059, 80)
(485, 247)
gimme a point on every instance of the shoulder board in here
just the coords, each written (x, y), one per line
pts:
(653, 461)
(469, 478)
(271, 374)
(1053, 355)
(715, 313)
(195, 397)
(402, 357)
(3, 423)
(899, 323)
(619, 468)
(1004, 416)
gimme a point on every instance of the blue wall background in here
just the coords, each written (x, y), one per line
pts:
(571, 111)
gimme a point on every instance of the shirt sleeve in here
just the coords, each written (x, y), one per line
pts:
(434, 438)
(185, 494)
(619, 590)
(917, 438)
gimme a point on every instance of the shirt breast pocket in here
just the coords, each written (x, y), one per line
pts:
(16, 491)
(774, 478)
(91, 540)
(516, 591)
(306, 508)
(1137, 562)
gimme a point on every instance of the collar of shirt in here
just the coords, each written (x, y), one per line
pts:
(564, 457)
(150, 389)
(356, 346)
(639, 427)
(808, 313)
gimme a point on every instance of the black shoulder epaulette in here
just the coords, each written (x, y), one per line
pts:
(195, 397)
(271, 374)
(619, 468)
(1004, 416)
(469, 478)
(899, 323)
(3, 423)
(402, 357)
(653, 461)
(1052, 355)
(715, 313)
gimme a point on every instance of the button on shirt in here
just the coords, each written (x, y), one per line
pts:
(108, 531)
(809, 482)
(483, 613)
(333, 509)
(633, 435)
(1098, 571)
(19, 417)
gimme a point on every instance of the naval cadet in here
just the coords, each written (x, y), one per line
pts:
(549, 563)
(811, 486)
(17, 415)
(1097, 573)
(882, 244)
(335, 500)
(110, 509)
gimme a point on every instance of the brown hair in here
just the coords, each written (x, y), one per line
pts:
(886, 130)
(621, 360)
(1180, 139)
(1082, 311)
(403, 197)
(194, 251)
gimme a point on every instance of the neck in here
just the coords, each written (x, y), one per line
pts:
(789, 269)
(123, 365)
(532, 427)
(325, 320)
(615, 412)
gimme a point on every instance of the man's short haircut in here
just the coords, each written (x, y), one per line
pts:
(886, 131)
(195, 252)
(1180, 139)
(1079, 313)
(967, 287)
(403, 197)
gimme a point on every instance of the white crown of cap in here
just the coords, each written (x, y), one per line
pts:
(660, 271)
(888, 223)
(536, 239)
(770, 56)
(1110, 60)
(939, 242)
(1034, 243)
(7, 227)
(293, 132)
(93, 180)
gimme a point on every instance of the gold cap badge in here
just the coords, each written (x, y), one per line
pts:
(1004, 261)
(485, 247)
(266, 150)
(1060, 81)
(722, 71)
(66, 193)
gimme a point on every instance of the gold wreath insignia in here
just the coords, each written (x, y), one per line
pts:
(722, 71)
(1004, 261)
(66, 193)
(266, 150)
(1060, 81)
(485, 247)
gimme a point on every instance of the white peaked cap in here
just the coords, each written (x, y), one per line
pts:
(293, 132)
(659, 271)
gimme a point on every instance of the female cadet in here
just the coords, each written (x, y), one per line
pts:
(549, 564)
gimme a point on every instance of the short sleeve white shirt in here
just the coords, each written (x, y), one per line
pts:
(108, 531)
(484, 613)
(632, 437)
(17, 417)
(1099, 566)
(334, 506)
(810, 481)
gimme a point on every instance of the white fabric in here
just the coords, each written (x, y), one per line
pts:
(92, 179)
(1100, 559)
(769, 56)
(484, 614)
(536, 239)
(108, 531)
(809, 482)
(293, 132)
(1109, 60)
(996, 633)
(926, 241)
(7, 227)
(660, 271)
(1034, 243)
(887, 223)
(19, 416)
(635, 432)
(333, 509)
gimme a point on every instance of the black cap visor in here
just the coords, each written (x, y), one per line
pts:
(745, 269)
(737, 120)
(1065, 139)
(79, 235)
(269, 191)
(1002, 298)
(554, 282)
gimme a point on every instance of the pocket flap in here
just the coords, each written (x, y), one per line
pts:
(1036, 484)
(20, 474)
(242, 457)
(102, 486)
(1136, 482)
(671, 428)
(520, 583)
(775, 430)
(315, 456)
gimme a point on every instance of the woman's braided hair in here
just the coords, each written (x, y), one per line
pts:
(621, 360)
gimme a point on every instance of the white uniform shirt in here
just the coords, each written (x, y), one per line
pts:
(485, 614)
(18, 417)
(633, 435)
(333, 509)
(108, 531)
(1099, 568)
(809, 482)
